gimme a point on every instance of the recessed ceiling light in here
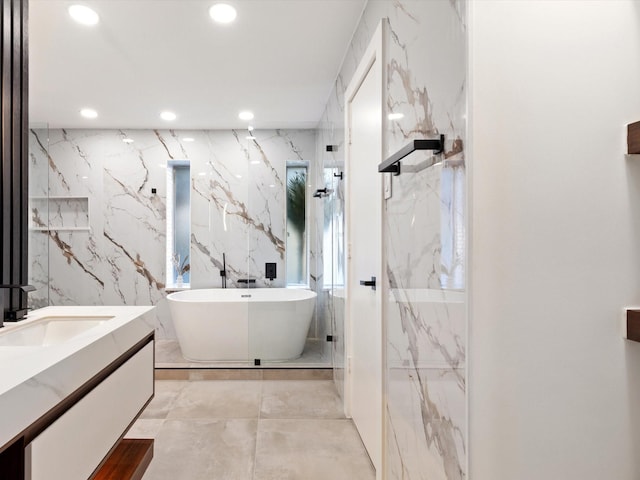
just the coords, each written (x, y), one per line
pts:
(88, 113)
(127, 140)
(188, 139)
(396, 116)
(83, 14)
(168, 116)
(245, 115)
(223, 13)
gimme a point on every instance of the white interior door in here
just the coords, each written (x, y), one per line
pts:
(364, 205)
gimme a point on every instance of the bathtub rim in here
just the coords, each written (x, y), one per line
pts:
(183, 295)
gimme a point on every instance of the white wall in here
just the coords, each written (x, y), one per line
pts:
(554, 389)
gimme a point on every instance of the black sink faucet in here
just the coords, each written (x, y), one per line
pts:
(248, 281)
(13, 315)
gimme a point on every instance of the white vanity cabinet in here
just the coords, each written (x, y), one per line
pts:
(69, 398)
(76, 443)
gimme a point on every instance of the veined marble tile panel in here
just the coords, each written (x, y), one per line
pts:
(426, 329)
(426, 424)
(238, 208)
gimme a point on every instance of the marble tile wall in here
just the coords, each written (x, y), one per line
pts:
(237, 208)
(424, 233)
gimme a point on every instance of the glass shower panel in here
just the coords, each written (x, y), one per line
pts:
(333, 244)
(38, 250)
(265, 246)
(285, 326)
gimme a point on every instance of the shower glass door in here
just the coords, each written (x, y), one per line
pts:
(286, 326)
(38, 250)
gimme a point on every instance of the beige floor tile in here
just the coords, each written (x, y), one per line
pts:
(218, 399)
(171, 373)
(225, 374)
(220, 449)
(300, 399)
(297, 373)
(168, 352)
(145, 428)
(310, 450)
(166, 392)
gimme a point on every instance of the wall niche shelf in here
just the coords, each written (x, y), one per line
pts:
(633, 138)
(62, 213)
(633, 325)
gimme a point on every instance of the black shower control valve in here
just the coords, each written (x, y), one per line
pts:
(270, 270)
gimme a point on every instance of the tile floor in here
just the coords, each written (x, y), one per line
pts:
(251, 430)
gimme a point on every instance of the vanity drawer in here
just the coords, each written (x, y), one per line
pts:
(74, 445)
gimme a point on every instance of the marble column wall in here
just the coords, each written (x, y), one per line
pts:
(105, 185)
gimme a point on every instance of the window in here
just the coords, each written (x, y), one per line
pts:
(333, 234)
(453, 226)
(297, 245)
(178, 222)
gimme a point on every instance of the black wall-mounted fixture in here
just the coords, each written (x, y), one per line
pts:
(392, 164)
(270, 270)
(338, 175)
(223, 272)
(14, 156)
(322, 192)
(13, 315)
(332, 148)
(369, 283)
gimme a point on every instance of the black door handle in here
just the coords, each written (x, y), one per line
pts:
(369, 283)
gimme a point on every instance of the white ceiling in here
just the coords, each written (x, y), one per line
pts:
(278, 59)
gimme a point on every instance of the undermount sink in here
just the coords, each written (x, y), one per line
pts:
(50, 331)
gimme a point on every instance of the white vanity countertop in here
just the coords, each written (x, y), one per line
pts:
(34, 379)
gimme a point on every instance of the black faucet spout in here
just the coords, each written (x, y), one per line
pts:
(15, 314)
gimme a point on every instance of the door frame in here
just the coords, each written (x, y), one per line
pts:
(374, 57)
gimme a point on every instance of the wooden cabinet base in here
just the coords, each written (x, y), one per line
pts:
(128, 461)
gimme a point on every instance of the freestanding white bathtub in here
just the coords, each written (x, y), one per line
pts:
(239, 324)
